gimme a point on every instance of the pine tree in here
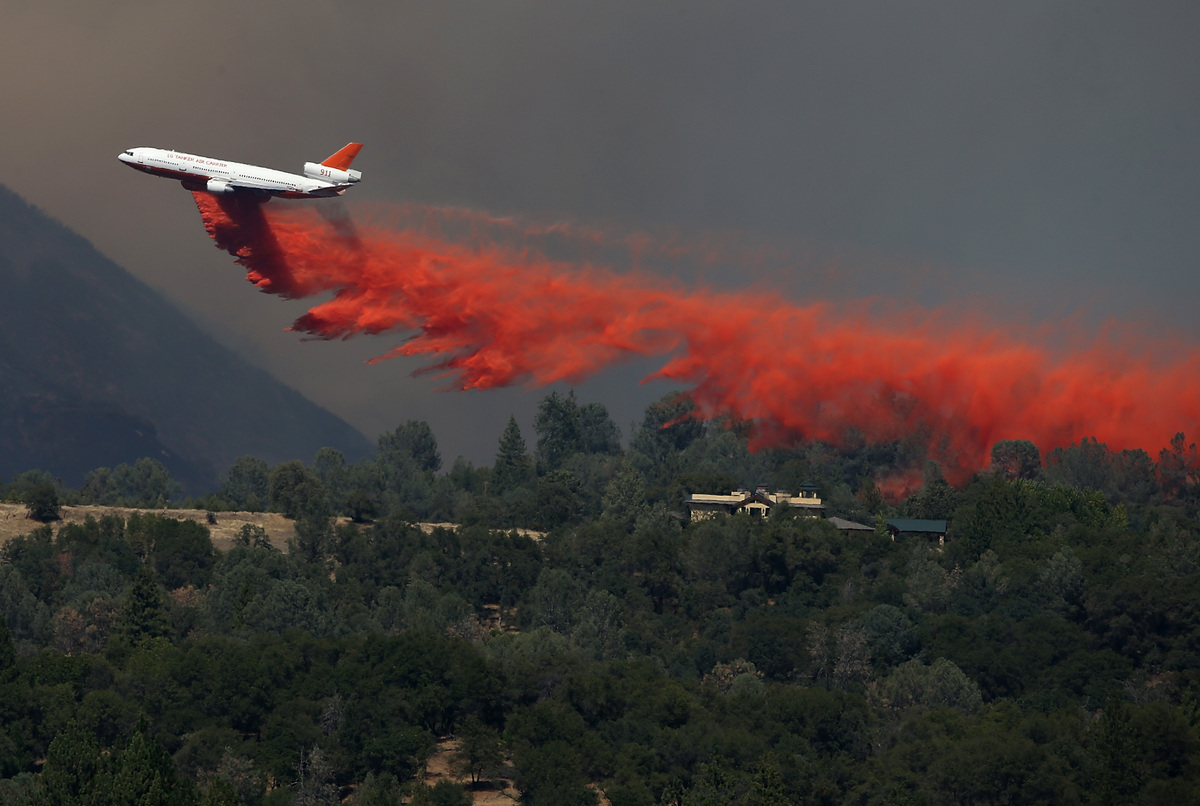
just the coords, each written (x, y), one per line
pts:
(557, 426)
(512, 460)
(73, 769)
(144, 774)
(145, 614)
(597, 431)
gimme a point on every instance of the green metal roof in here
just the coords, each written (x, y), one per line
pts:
(917, 525)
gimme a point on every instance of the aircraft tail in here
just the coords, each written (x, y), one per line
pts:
(340, 160)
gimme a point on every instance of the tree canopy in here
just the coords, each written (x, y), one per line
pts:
(559, 625)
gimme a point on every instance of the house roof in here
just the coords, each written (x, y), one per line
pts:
(917, 525)
(849, 526)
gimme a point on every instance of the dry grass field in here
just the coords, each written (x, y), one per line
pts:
(13, 522)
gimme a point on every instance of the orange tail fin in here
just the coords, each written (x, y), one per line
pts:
(340, 160)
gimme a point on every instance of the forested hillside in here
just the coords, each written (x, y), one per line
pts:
(97, 369)
(1046, 653)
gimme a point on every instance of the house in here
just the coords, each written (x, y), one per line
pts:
(758, 503)
(917, 526)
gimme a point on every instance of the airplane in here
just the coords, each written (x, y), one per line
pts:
(330, 177)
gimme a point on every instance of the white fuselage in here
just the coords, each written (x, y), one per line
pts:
(222, 176)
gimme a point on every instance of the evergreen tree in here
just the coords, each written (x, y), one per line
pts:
(557, 427)
(667, 429)
(625, 498)
(1116, 754)
(329, 466)
(766, 787)
(73, 769)
(414, 439)
(512, 459)
(144, 774)
(314, 531)
(79, 773)
(247, 484)
(938, 499)
(381, 790)
(597, 431)
(557, 500)
(1088, 465)
(1179, 467)
(145, 614)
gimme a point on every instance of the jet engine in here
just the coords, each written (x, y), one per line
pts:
(217, 186)
(315, 170)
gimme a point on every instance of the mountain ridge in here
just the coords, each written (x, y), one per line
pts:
(97, 368)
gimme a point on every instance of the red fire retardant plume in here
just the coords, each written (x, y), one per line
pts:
(489, 316)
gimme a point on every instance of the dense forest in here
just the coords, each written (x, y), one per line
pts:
(1048, 652)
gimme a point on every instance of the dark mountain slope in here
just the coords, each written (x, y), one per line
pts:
(97, 369)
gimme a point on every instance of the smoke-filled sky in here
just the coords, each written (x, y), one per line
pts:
(1030, 162)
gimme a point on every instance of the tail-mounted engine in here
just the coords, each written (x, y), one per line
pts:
(315, 170)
